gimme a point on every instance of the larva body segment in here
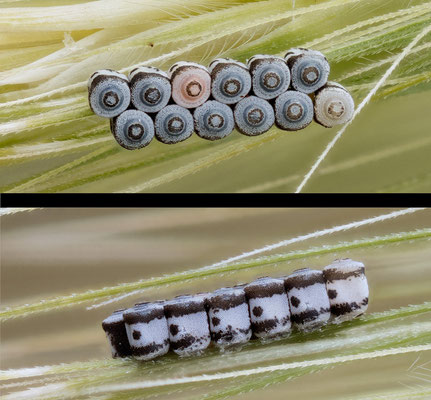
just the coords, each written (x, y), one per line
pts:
(173, 124)
(293, 111)
(117, 335)
(308, 299)
(188, 324)
(347, 288)
(230, 80)
(191, 84)
(213, 120)
(133, 129)
(270, 76)
(150, 89)
(147, 330)
(253, 116)
(333, 105)
(309, 69)
(229, 318)
(108, 93)
(269, 307)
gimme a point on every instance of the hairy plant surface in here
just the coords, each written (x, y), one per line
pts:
(51, 142)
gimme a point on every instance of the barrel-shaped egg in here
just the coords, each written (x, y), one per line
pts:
(133, 129)
(229, 318)
(150, 89)
(269, 307)
(333, 105)
(173, 124)
(230, 80)
(308, 299)
(213, 120)
(147, 330)
(309, 69)
(188, 324)
(191, 84)
(253, 116)
(347, 288)
(108, 93)
(270, 76)
(116, 334)
(293, 110)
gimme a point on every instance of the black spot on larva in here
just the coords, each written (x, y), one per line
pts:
(365, 301)
(136, 335)
(332, 294)
(215, 321)
(295, 301)
(173, 329)
(257, 311)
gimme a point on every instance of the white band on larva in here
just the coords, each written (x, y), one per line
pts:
(230, 80)
(188, 324)
(117, 335)
(333, 105)
(309, 303)
(293, 110)
(147, 330)
(253, 116)
(347, 288)
(108, 93)
(309, 69)
(229, 317)
(269, 307)
(150, 89)
(213, 120)
(133, 129)
(270, 76)
(191, 84)
(173, 124)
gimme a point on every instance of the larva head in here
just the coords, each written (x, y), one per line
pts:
(150, 89)
(270, 76)
(213, 120)
(253, 116)
(133, 129)
(333, 105)
(293, 110)
(108, 93)
(191, 84)
(231, 80)
(309, 69)
(173, 124)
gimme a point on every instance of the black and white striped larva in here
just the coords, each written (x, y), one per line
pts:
(229, 318)
(133, 129)
(230, 80)
(267, 308)
(270, 76)
(147, 330)
(308, 299)
(253, 116)
(293, 110)
(191, 84)
(108, 93)
(173, 124)
(188, 324)
(213, 120)
(333, 105)
(150, 89)
(309, 69)
(117, 336)
(347, 288)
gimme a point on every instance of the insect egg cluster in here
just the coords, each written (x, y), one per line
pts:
(288, 92)
(267, 308)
